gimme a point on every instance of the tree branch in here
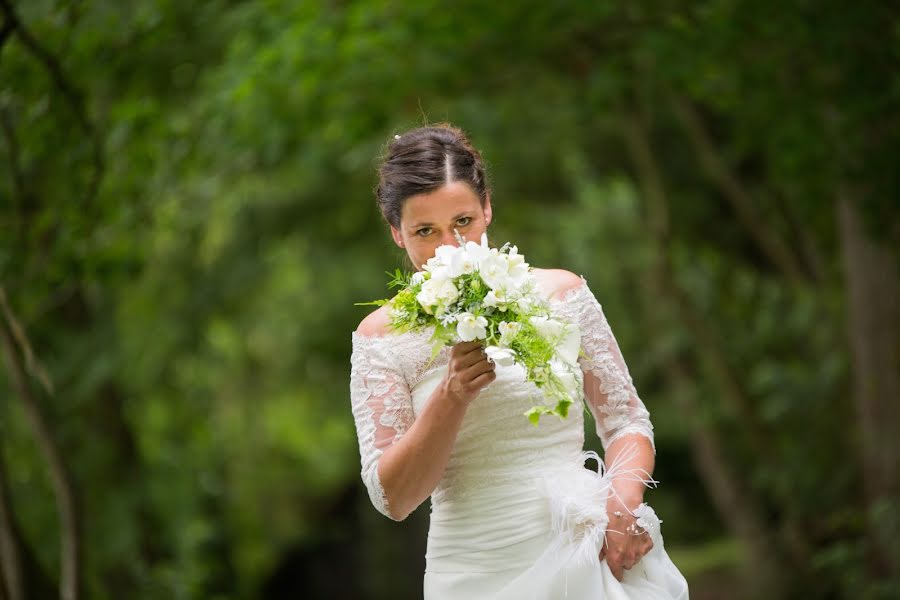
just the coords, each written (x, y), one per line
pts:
(12, 584)
(12, 145)
(715, 169)
(32, 364)
(651, 183)
(71, 94)
(70, 562)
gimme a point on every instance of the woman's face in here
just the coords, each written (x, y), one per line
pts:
(427, 220)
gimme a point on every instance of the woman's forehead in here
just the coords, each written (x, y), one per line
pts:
(441, 205)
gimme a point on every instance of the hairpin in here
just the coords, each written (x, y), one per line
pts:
(396, 136)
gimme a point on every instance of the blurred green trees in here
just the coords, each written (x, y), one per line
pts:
(187, 218)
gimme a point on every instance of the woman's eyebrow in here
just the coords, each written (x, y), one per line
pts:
(459, 216)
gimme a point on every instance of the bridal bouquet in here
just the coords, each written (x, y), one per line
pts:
(474, 292)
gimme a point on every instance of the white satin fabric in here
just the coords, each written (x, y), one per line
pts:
(517, 515)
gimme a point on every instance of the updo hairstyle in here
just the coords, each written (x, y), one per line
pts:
(423, 160)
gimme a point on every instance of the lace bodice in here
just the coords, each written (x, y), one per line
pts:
(391, 378)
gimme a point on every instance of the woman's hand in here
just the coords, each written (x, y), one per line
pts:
(469, 371)
(625, 543)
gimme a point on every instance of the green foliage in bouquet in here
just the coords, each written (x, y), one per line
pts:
(473, 292)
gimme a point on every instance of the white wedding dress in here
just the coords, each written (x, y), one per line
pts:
(516, 515)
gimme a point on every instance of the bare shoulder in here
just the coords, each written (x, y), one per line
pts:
(557, 282)
(376, 322)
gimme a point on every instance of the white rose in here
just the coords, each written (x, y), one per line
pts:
(504, 357)
(469, 327)
(445, 291)
(417, 277)
(436, 293)
(431, 264)
(427, 298)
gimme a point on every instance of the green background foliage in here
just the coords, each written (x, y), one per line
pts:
(187, 217)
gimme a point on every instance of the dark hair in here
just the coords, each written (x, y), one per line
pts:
(421, 161)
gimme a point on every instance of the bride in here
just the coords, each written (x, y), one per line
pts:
(514, 511)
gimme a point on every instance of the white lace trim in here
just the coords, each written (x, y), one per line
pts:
(615, 404)
(381, 406)
(384, 370)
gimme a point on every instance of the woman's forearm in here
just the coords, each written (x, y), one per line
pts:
(628, 487)
(411, 469)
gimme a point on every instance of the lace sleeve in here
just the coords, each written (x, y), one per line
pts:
(382, 408)
(608, 389)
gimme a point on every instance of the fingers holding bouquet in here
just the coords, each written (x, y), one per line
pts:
(469, 371)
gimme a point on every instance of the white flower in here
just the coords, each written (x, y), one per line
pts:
(469, 327)
(444, 254)
(570, 345)
(481, 251)
(566, 377)
(504, 357)
(646, 518)
(494, 270)
(417, 277)
(496, 298)
(508, 330)
(436, 292)
(461, 263)
(427, 299)
(439, 273)
(519, 270)
(524, 303)
(566, 336)
(446, 292)
(547, 328)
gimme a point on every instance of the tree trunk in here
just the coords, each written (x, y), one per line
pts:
(11, 574)
(64, 491)
(873, 319)
(735, 504)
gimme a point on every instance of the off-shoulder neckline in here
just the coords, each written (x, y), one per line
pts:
(569, 293)
(566, 296)
(390, 335)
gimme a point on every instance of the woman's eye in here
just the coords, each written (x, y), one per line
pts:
(424, 231)
(466, 219)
